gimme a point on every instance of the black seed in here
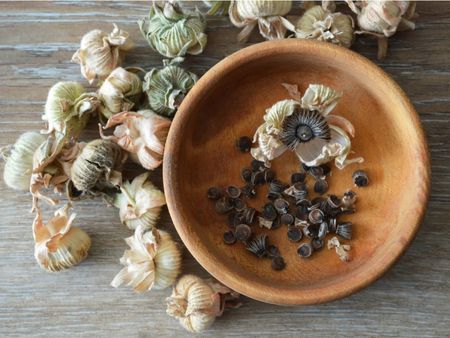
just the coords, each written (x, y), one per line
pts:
(249, 190)
(317, 243)
(360, 178)
(249, 215)
(278, 263)
(242, 232)
(281, 205)
(273, 251)
(316, 172)
(244, 144)
(321, 186)
(246, 174)
(303, 207)
(228, 237)
(334, 201)
(344, 230)
(258, 245)
(269, 212)
(311, 230)
(258, 178)
(214, 193)
(294, 234)
(223, 205)
(316, 216)
(287, 219)
(298, 177)
(273, 195)
(305, 250)
(326, 169)
(269, 175)
(234, 219)
(276, 223)
(256, 165)
(277, 186)
(323, 230)
(239, 204)
(233, 192)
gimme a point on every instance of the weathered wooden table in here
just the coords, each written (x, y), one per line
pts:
(37, 41)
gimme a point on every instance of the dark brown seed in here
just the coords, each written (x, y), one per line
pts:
(323, 230)
(273, 251)
(287, 219)
(321, 186)
(214, 193)
(239, 204)
(316, 172)
(317, 243)
(242, 232)
(258, 178)
(278, 263)
(233, 192)
(229, 238)
(258, 245)
(334, 201)
(276, 223)
(256, 165)
(303, 207)
(273, 195)
(316, 216)
(298, 177)
(277, 186)
(269, 175)
(249, 215)
(305, 250)
(294, 234)
(344, 230)
(223, 205)
(234, 219)
(269, 212)
(249, 191)
(244, 144)
(246, 174)
(326, 169)
(281, 205)
(311, 231)
(360, 178)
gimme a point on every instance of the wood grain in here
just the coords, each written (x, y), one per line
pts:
(36, 44)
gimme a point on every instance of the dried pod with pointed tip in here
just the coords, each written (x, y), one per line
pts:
(196, 302)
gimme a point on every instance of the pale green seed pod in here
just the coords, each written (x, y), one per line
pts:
(172, 32)
(19, 160)
(68, 108)
(217, 7)
(167, 87)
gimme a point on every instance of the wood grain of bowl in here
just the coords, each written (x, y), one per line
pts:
(229, 101)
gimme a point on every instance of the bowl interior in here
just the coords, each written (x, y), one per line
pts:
(229, 102)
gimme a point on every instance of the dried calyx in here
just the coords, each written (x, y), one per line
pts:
(100, 53)
(267, 14)
(119, 92)
(342, 250)
(196, 302)
(382, 19)
(139, 203)
(167, 87)
(321, 24)
(142, 134)
(59, 245)
(172, 32)
(153, 261)
(217, 7)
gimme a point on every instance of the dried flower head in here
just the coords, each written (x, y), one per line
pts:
(196, 302)
(266, 14)
(258, 245)
(217, 7)
(58, 245)
(96, 166)
(167, 87)
(19, 160)
(139, 202)
(143, 133)
(120, 92)
(100, 53)
(173, 32)
(341, 249)
(153, 261)
(320, 24)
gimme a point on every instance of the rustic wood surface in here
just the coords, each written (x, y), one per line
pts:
(36, 43)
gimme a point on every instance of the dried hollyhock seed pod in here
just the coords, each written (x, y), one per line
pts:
(316, 172)
(214, 193)
(295, 234)
(249, 190)
(341, 249)
(96, 165)
(265, 223)
(321, 186)
(257, 165)
(311, 230)
(246, 174)
(298, 177)
(305, 250)
(269, 212)
(278, 263)
(334, 201)
(344, 230)
(332, 224)
(258, 178)
(249, 215)
(229, 238)
(316, 216)
(244, 143)
(349, 199)
(223, 205)
(317, 243)
(239, 204)
(233, 192)
(234, 219)
(281, 205)
(243, 232)
(273, 251)
(258, 245)
(269, 175)
(323, 230)
(287, 219)
(360, 178)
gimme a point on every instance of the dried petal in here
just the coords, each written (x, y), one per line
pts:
(321, 98)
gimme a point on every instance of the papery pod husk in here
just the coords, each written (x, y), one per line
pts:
(19, 160)
(119, 92)
(217, 7)
(167, 87)
(172, 32)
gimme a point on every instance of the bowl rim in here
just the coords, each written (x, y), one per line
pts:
(219, 270)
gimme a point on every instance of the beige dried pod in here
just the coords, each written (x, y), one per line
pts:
(323, 25)
(196, 302)
(19, 160)
(341, 249)
(119, 92)
(139, 203)
(247, 14)
(153, 261)
(97, 165)
(59, 245)
(142, 134)
(100, 53)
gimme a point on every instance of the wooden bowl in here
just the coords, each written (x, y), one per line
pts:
(229, 101)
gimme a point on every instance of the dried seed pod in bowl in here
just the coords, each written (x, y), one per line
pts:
(142, 134)
(247, 14)
(217, 7)
(172, 32)
(167, 87)
(100, 53)
(323, 25)
(119, 92)
(153, 261)
(196, 302)
(139, 203)
(19, 160)
(59, 245)
(96, 167)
